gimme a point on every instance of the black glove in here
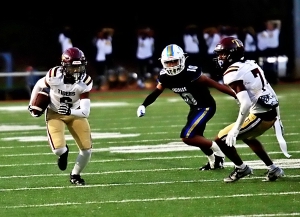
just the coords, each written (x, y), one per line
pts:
(32, 112)
(64, 109)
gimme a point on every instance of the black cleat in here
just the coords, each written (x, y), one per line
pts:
(237, 174)
(62, 161)
(218, 164)
(273, 175)
(76, 180)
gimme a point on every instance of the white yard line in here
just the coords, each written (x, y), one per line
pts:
(150, 200)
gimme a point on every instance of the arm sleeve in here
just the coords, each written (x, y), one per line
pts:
(245, 104)
(40, 84)
(152, 97)
(84, 111)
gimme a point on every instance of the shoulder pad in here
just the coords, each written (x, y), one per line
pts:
(87, 80)
(54, 76)
(162, 72)
(231, 68)
(54, 72)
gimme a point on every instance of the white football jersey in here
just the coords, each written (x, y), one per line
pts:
(67, 93)
(255, 83)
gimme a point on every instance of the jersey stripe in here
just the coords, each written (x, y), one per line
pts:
(87, 80)
(53, 71)
(231, 69)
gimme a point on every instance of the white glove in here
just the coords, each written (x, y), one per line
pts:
(64, 109)
(141, 111)
(231, 137)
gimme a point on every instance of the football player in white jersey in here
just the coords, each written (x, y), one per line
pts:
(69, 88)
(258, 108)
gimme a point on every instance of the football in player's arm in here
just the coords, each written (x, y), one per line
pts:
(69, 86)
(193, 87)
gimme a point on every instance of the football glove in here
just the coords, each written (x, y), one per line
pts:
(141, 111)
(231, 137)
(64, 109)
(31, 112)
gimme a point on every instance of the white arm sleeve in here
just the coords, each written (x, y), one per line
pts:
(84, 111)
(245, 105)
(40, 84)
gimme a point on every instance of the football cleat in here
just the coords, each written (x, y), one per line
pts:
(238, 173)
(273, 175)
(76, 179)
(218, 164)
(62, 161)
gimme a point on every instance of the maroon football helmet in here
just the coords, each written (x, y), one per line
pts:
(73, 62)
(229, 50)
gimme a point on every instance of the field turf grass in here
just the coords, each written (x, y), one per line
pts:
(140, 167)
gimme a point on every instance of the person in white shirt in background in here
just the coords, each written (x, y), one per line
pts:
(103, 46)
(64, 38)
(108, 35)
(250, 43)
(268, 46)
(144, 54)
(191, 45)
(212, 38)
(268, 39)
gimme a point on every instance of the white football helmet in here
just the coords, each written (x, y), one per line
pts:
(173, 59)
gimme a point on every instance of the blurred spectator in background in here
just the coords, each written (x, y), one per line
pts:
(64, 38)
(191, 45)
(248, 37)
(228, 31)
(103, 44)
(212, 38)
(144, 54)
(31, 79)
(268, 39)
(108, 36)
(268, 46)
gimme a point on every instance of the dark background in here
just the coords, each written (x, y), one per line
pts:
(30, 31)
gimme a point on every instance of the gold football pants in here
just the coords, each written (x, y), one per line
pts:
(251, 128)
(78, 127)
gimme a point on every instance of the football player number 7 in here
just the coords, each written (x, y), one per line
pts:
(256, 73)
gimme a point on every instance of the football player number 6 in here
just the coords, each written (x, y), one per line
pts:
(66, 100)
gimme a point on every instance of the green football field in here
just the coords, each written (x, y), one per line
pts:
(140, 167)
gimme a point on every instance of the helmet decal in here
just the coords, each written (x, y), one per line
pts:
(169, 50)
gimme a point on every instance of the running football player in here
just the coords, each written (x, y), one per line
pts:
(193, 87)
(69, 86)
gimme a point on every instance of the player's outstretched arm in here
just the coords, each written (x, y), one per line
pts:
(220, 87)
(149, 100)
